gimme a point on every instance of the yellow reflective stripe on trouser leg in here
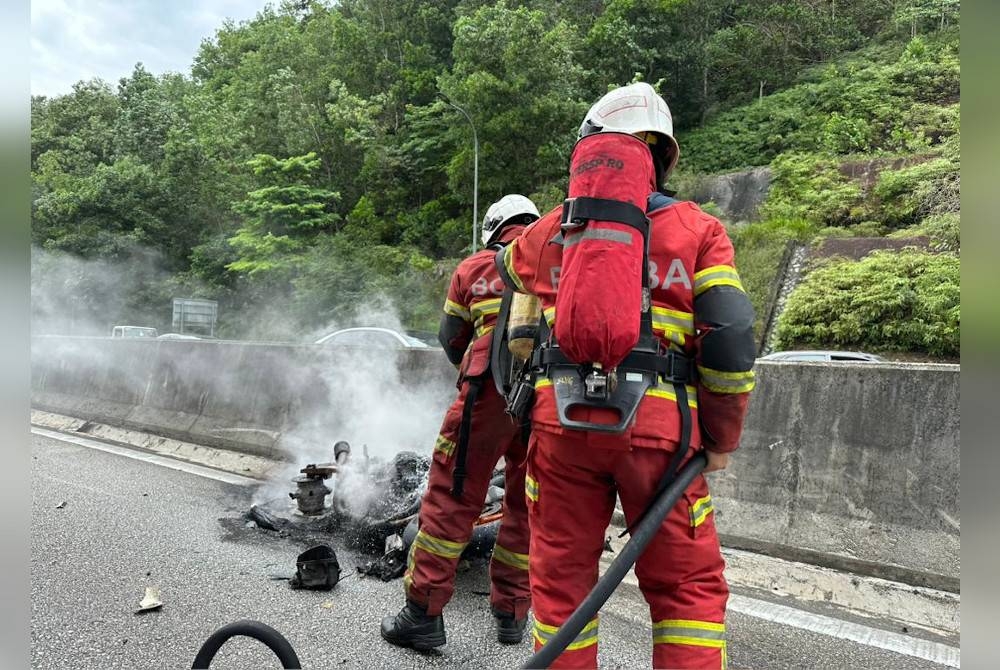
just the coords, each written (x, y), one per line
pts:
(586, 638)
(410, 565)
(444, 446)
(511, 558)
(690, 632)
(531, 489)
(700, 510)
(438, 546)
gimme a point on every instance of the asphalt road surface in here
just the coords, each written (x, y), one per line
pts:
(127, 524)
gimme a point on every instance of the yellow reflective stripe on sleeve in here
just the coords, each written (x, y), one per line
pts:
(508, 264)
(667, 392)
(454, 309)
(531, 489)
(701, 508)
(686, 631)
(586, 638)
(726, 382)
(542, 382)
(483, 330)
(511, 558)
(716, 275)
(438, 546)
(485, 307)
(444, 446)
(550, 315)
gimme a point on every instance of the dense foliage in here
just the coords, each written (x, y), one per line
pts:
(314, 159)
(906, 301)
(863, 146)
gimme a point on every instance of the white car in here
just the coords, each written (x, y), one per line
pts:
(177, 336)
(824, 356)
(133, 331)
(379, 338)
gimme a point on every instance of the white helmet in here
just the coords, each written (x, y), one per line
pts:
(634, 109)
(511, 208)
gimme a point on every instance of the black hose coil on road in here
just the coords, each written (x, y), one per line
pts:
(275, 641)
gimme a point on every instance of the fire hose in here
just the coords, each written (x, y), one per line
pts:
(644, 531)
(255, 629)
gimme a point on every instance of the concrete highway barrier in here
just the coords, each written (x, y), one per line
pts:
(854, 466)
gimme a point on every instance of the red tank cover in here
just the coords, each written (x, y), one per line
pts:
(599, 299)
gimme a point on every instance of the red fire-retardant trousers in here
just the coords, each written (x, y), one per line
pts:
(571, 497)
(446, 522)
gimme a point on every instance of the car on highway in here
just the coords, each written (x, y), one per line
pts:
(178, 336)
(425, 336)
(133, 331)
(379, 338)
(824, 356)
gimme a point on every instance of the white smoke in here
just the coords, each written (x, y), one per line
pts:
(376, 399)
(71, 295)
(372, 403)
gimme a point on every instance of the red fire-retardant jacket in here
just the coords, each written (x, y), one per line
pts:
(471, 309)
(699, 307)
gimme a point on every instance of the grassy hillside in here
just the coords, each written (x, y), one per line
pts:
(865, 146)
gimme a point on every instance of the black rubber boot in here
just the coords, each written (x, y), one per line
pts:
(413, 628)
(509, 629)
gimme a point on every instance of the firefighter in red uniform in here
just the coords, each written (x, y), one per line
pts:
(702, 315)
(475, 433)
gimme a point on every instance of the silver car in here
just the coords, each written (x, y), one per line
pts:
(824, 356)
(379, 338)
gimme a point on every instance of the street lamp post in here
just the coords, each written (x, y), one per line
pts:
(475, 169)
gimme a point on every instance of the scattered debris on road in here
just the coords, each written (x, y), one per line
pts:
(151, 601)
(390, 565)
(374, 509)
(264, 519)
(316, 568)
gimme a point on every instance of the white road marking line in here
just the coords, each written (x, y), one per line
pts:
(934, 652)
(155, 459)
(872, 637)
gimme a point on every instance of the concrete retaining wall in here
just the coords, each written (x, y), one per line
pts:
(858, 463)
(853, 466)
(276, 400)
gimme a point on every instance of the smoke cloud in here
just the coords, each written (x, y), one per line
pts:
(302, 396)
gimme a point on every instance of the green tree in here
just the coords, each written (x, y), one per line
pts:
(281, 217)
(519, 79)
